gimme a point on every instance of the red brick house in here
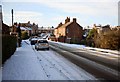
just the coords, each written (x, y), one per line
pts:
(5, 29)
(70, 32)
(33, 26)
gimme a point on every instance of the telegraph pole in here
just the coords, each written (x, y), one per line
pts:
(12, 21)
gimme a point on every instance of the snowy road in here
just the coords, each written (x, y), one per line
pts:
(99, 66)
(108, 59)
(29, 64)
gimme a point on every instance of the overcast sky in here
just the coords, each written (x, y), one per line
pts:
(52, 12)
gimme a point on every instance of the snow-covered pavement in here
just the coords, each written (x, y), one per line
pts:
(29, 64)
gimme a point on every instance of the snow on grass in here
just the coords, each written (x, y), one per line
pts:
(99, 50)
(69, 45)
(104, 50)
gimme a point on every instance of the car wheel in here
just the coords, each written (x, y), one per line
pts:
(47, 48)
(37, 49)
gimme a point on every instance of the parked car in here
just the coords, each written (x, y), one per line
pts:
(33, 41)
(32, 37)
(52, 38)
(42, 44)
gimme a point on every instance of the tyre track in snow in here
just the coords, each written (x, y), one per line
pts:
(98, 70)
(47, 75)
(93, 56)
(53, 65)
(60, 68)
(64, 67)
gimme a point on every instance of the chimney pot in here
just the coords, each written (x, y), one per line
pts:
(67, 20)
(74, 19)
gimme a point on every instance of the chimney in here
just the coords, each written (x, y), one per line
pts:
(60, 24)
(28, 22)
(74, 20)
(94, 25)
(67, 20)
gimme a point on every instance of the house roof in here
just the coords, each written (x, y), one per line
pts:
(26, 24)
(107, 26)
(64, 25)
(29, 29)
(67, 23)
(23, 28)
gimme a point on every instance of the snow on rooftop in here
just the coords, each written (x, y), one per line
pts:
(28, 28)
(25, 28)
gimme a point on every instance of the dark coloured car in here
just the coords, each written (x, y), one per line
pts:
(33, 41)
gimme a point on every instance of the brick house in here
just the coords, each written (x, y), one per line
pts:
(33, 26)
(5, 29)
(69, 32)
(46, 29)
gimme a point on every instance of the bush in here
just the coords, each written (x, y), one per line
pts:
(9, 44)
(83, 42)
(111, 40)
(24, 35)
(75, 40)
(91, 38)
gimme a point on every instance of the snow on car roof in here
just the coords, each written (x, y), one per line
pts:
(34, 38)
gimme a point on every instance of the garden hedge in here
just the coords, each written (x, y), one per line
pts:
(9, 44)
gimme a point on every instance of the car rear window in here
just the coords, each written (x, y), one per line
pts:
(42, 41)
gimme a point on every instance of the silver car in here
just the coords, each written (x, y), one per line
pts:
(42, 44)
